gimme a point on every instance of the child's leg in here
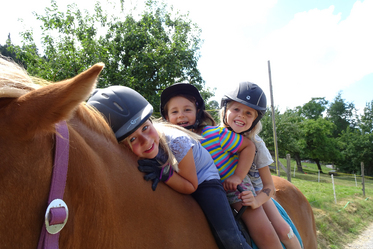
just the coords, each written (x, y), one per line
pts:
(212, 198)
(283, 230)
(260, 228)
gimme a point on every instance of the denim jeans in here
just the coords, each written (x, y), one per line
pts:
(212, 198)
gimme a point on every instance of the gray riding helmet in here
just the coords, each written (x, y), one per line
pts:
(249, 94)
(124, 108)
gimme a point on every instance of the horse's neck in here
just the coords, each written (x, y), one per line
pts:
(5, 101)
(25, 171)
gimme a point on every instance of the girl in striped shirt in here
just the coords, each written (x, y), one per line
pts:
(181, 104)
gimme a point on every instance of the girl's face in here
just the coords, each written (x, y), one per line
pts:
(181, 111)
(240, 117)
(144, 142)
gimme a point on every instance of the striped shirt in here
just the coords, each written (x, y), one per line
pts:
(222, 144)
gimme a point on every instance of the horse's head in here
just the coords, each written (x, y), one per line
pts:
(110, 205)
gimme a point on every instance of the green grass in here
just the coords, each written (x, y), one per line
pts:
(341, 218)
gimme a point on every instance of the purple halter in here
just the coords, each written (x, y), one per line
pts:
(57, 212)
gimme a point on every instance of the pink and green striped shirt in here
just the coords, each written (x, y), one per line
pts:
(222, 144)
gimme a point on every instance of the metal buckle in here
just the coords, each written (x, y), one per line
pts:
(53, 229)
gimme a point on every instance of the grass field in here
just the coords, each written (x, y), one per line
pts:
(340, 217)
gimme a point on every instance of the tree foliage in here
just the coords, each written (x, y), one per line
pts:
(341, 114)
(356, 147)
(314, 108)
(319, 144)
(366, 120)
(289, 134)
(148, 53)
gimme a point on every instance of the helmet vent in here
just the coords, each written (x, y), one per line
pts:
(259, 98)
(105, 95)
(118, 106)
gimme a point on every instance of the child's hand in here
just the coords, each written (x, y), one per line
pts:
(154, 171)
(248, 199)
(231, 183)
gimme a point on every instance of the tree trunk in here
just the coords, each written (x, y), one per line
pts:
(299, 163)
(318, 165)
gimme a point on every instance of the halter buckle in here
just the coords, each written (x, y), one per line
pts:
(56, 216)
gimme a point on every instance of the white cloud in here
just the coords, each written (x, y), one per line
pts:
(316, 54)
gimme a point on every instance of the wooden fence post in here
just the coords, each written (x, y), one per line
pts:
(288, 166)
(362, 178)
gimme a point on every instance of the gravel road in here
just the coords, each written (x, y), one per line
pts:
(364, 241)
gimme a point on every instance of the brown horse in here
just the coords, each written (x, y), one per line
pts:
(110, 205)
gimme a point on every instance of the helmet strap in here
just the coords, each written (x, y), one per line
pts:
(228, 126)
(224, 115)
(252, 126)
(198, 119)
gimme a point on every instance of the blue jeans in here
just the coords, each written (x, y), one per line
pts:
(212, 198)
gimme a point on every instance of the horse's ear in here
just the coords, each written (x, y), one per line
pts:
(40, 109)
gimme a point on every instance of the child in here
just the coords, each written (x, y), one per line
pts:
(242, 110)
(170, 155)
(179, 105)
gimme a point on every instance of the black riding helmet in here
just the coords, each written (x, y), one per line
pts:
(249, 94)
(183, 89)
(124, 108)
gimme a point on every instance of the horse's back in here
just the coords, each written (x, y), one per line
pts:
(298, 209)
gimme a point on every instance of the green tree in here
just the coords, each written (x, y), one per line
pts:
(267, 128)
(314, 108)
(319, 145)
(341, 114)
(69, 43)
(357, 144)
(289, 134)
(366, 120)
(7, 52)
(356, 147)
(212, 107)
(148, 54)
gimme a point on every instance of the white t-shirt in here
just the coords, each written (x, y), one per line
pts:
(262, 159)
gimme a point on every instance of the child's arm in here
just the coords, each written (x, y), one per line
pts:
(245, 160)
(185, 181)
(269, 189)
(264, 195)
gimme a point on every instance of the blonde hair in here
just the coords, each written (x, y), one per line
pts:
(249, 134)
(160, 126)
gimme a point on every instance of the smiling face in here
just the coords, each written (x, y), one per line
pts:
(144, 142)
(239, 116)
(181, 111)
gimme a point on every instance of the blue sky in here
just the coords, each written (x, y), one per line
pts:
(316, 48)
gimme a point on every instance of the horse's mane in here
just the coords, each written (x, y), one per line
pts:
(95, 120)
(15, 82)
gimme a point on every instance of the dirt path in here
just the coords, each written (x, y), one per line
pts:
(364, 241)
